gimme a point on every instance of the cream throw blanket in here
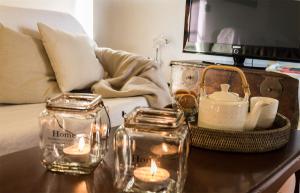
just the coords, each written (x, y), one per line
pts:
(131, 75)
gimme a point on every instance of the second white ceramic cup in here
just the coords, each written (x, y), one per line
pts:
(268, 112)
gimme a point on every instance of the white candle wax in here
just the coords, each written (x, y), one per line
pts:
(151, 177)
(78, 152)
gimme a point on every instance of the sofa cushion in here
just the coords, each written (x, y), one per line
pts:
(72, 57)
(24, 20)
(26, 75)
(19, 123)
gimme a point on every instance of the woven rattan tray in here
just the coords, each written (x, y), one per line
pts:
(243, 141)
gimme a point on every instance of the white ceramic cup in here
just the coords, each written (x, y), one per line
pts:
(268, 112)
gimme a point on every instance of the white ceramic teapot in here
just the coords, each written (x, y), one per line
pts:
(225, 110)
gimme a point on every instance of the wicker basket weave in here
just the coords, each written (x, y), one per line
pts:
(243, 141)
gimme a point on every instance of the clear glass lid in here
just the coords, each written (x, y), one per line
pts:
(74, 101)
(143, 117)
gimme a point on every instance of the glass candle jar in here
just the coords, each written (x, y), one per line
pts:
(151, 151)
(185, 79)
(74, 133)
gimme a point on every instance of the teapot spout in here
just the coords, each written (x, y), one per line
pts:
(254, 115)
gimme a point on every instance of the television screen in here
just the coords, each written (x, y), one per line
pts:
(265, 29)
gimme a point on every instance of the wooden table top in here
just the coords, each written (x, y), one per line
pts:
(208, 172)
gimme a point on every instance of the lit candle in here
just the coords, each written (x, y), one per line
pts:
(164, 149)
(103, 131)
(151, 178)
(78, 152)
(133, 146)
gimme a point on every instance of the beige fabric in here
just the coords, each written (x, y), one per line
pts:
(131, 75)
(72, 57)
(25, 71)
(19, 127)
(24, 20)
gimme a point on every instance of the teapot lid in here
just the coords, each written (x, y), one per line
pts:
(225, 95)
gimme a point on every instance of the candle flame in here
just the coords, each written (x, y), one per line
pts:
(103, 129)
(94, 127)
(153, 167)
(81, 143)
(165, 147)
(133, 145)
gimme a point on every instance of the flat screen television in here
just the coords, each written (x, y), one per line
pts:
(259, 29)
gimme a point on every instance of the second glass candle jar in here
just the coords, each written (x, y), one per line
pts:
(151, 151)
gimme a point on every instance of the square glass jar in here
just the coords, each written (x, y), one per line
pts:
(151, 151)
(74, 133)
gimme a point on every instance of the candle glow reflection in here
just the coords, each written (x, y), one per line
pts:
(81, 144)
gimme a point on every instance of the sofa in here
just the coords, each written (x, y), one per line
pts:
(19, 127)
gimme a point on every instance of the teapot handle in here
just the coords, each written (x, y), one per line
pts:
(245, 84)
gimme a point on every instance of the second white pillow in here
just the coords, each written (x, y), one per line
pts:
(72, 58)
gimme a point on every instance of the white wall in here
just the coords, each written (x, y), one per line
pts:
(82, 10)
(132, 25)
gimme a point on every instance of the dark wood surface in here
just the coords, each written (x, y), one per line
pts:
(209, 172)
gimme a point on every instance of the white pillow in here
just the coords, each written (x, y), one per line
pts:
(72, 57)
(26, 75)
